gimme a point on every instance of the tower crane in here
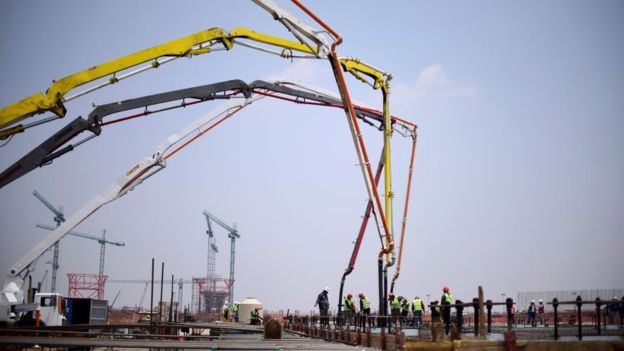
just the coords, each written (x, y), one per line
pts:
(102, 240)
(233, 235)
(58, 218)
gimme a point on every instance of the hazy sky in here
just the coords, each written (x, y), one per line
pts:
(519, 174)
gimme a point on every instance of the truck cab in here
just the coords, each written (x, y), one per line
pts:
(52, 308)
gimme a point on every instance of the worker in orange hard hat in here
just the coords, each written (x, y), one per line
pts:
(349, 308)
(446, 301)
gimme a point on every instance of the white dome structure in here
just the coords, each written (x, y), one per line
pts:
(245, 308)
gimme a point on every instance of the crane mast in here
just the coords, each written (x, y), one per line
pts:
(212, 253)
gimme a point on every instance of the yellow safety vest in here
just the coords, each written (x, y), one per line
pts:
(365, 302)
(447, 297)
(395, 304)
(416, 305)
(348, 305)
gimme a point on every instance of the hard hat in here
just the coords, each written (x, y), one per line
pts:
(540, 300)
(326, 288)
(532, 301)
(361, 295)
(445, 289)
(12, 315)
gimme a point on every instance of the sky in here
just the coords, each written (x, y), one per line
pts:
(519, 172)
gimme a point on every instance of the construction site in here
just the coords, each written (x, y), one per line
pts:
(294, 214)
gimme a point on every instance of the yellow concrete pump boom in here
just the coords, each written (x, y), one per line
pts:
(195, 44)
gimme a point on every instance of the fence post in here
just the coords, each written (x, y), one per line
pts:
(579, 303)
(459, 309)
(475, 307)
(555, 306)
(510, 316)
(598, 303)
(488, 305)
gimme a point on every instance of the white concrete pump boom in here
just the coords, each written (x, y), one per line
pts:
(129, 179)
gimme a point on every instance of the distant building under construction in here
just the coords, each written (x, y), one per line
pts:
(209, 297)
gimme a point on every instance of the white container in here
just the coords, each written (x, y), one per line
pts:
(245, 308)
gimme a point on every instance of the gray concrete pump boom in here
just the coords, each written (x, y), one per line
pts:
(50, 149)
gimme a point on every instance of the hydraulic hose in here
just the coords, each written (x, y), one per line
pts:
(358, 241)
(353, 123)
(405, 209)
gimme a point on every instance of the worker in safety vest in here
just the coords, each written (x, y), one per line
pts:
(446, 300)
(364, 309)
(235, 311)
(254, 316)
(417, 311)
(226, 312)
(404, 310)
(349, 308)
(395, 310)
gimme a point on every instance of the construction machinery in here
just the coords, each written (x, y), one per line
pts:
(311, 43)
(233, 235)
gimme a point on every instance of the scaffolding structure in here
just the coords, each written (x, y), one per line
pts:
(87, 285)
(209, 295)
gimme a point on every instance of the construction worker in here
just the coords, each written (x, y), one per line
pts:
(446, 300)
(235, 311)
(364, 309)
(435, 311)
(417, 311)
(540, 312)
(531, 312)
(322, 301)
(395, 310)
(254, 317)
(404, 310)
(349, 308)
(226, 312)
